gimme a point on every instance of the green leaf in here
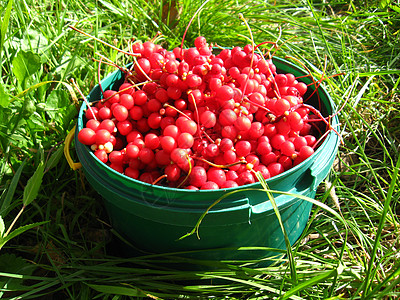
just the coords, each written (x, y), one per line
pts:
(11, 190)
(395, 8)
(384, 3)
(4, 98)
(4, 24)
(285, 234)
(56, 101)
(118, 290)
(312, 282)
(18, 231)
(2, 226)
(55, 158)
(25, 64)
(32, 188)
(12, 264)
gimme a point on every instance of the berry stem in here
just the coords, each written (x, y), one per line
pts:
(134, 85)
(83, 97)
(252, 52)
(220, 166)
(140, 68)
(98, 76)
(181, 112)
(190, 22)
(188, 174)
(158, 179)
(197, 113)
(101, 41)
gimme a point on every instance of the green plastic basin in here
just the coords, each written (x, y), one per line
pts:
(153, 218)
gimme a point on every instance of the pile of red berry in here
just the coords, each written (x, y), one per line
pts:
(192, 119)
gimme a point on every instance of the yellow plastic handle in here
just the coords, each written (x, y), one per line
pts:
(68, 139)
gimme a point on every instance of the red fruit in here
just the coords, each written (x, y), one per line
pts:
(133, 135)
(132, 151)
(173, 172)
(231, 175)
(104, 113)
(117, 167)
(142, 67)
(172, 130)
(275, 168)
(299, 142)
(301, 87)
(189, 126)
(91, 113)
(179, 156)
(126, 100)
(269, 158)
(287, 148)
(132, 172)
(102, 136)
(111, 96)
(212, 150)
(256, 130)
(209, 185)
(263, 170)
(185, 140)
(200, 42)
(198, 176)
(243, 123)
(305, 152)
(277, 140)
(120, 112)
(227, 117)
(93, 124)
(263, 148)
(245, 177)
(225, 144)
(151, 141)
(229, 132)
(124, 127)
(286, 162)
(243, 148)
(229, 184)
(230, 156)
(146, 155)
(311, 140)
(126, 89)
(224, 93)
(168, 143)
(116, 157)
(101, 154)
(208, 119)
(154, 120)
(216, 175)
(162, 158)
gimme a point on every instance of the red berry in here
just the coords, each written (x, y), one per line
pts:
(209, 185)
(198, 176)
(101, 154)
(102, 136)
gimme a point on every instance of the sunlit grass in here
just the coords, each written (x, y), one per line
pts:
(75, 254)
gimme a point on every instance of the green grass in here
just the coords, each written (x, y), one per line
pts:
(55, 238)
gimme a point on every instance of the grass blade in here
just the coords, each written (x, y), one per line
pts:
(5, 206)
(4, 25)
(121, 290)
(32, 187)
(370, 271)
(313, 281)
(278, 215)
(18, 231)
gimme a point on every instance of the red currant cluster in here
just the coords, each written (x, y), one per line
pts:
(192, 119)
